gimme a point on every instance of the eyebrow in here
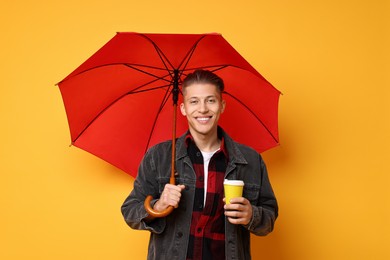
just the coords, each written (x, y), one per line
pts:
(211, 96)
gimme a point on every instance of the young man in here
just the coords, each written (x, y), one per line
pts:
(202, 226)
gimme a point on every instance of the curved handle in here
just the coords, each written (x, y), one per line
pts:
(154, 213)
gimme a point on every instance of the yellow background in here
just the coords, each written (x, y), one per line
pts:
(330, 173)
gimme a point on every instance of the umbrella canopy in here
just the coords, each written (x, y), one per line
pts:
(118, 102)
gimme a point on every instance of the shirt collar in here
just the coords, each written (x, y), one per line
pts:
(189, 140)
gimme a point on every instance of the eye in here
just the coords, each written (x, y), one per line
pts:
(193, 101)
(211, 101)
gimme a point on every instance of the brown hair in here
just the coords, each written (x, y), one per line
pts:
(203, 76)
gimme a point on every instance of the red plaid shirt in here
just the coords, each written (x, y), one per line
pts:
(207, 232)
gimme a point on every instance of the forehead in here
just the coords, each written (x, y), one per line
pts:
(201, 90)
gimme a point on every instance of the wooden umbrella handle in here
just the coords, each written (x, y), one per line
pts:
(154, 213)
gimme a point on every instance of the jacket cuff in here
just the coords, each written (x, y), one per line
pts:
(156, 225)
(255, 220)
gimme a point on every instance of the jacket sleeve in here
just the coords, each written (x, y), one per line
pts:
(265, 211)
(145, 184)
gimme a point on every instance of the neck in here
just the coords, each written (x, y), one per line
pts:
(207, 143)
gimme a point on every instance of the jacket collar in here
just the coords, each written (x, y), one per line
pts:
(235, 155)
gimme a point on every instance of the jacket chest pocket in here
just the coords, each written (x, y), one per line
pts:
(189, 183)
(251, 192)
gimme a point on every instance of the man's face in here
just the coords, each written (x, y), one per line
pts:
(202, 105)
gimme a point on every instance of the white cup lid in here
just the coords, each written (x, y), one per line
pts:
(234, 182)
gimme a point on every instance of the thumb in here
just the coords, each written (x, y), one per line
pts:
(181, 186)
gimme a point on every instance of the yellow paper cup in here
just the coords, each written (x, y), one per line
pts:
(233, 189)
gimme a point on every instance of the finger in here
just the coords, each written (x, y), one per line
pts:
(170, 200)
(238, 221)
(172, 197)
(169, 194)
(243, 213)
(234, 221)
(236, 217)
(234, 207)
(173, 187)
(240, 200)
(235, 214)
(181, 186)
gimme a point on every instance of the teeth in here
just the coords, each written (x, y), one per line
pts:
(203, 119)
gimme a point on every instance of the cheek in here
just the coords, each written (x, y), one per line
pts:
(218, 109)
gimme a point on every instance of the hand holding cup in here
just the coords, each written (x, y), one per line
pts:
(238, 209)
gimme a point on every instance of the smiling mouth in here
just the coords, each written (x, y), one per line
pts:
(203, 119)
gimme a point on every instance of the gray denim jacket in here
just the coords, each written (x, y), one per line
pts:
(169, 235)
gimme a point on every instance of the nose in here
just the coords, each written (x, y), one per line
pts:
(203, 107)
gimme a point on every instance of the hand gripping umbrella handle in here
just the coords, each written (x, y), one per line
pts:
(155, 213)
(167, 211)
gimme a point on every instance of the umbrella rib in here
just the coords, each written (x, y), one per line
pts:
(148, 73)
(216, 68)
(145, 90)
(189, 54)
(136, 90)
(112, 64)
(111, 104)
(251, 112)
(222, 66)
(160, 53)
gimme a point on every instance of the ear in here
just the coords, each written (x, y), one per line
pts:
(223, 105)
(182, 109)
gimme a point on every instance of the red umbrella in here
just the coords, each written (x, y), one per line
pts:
(118, 102)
